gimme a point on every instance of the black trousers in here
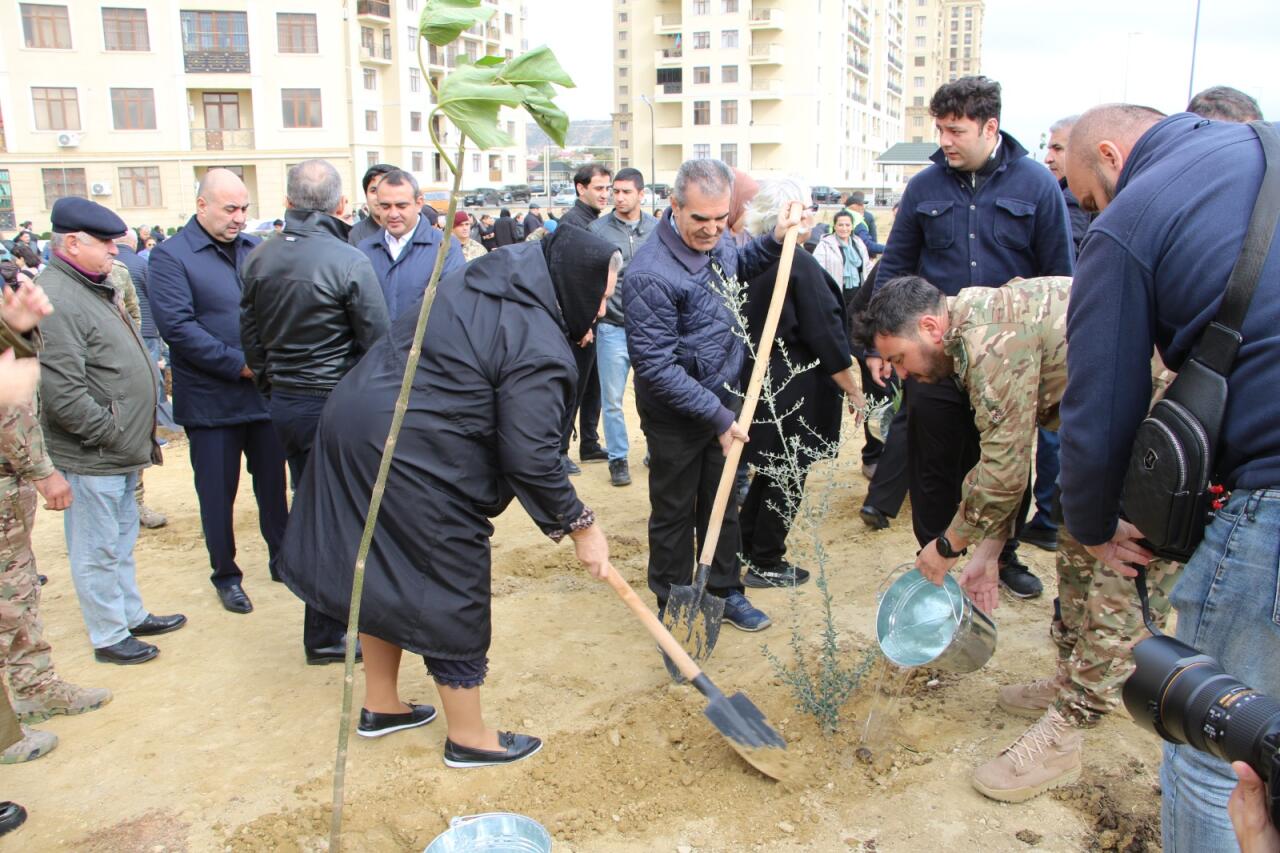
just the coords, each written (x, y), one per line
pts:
(889, 486)
(215, 461)
(587, 397)
(766, 518)
(942, 446)
(685, 462)
(295, 418)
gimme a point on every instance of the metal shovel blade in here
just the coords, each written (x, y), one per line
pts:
(749, 733)
(693, 617)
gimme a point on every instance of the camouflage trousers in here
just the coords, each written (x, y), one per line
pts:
(1101, 622)
(26, 656)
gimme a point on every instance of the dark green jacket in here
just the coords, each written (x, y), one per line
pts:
(97, 389)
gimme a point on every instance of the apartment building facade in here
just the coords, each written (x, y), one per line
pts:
(944, 42)
(130, 104)
(807, 87)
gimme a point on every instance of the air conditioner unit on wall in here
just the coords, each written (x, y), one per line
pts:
(100, 188)
(68, 140)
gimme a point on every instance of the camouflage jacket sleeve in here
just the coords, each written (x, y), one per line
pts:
(1000, 368)
(123, 283)
(23, 346)
(22, 450)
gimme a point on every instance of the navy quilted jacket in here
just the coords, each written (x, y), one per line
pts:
(680, 330)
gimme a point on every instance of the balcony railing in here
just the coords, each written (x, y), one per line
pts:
(893, 87)
(240, 139)
(373, 8)
(860, 33)
(668, 56)
(766, 89)
(668, 22)
(672, 88)
(765, 53)
(215, 61)
(861, 67)
(379, 55)
(766, 19)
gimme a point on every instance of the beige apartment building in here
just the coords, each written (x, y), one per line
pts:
(129, 102)
(807, 87)
(944, 42)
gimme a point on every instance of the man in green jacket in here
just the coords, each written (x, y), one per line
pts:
(98, 410)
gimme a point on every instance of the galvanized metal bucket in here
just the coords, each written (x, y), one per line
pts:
(495, 832)
(879, 420)
(921, 624)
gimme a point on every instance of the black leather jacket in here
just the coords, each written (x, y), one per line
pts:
(311, 306)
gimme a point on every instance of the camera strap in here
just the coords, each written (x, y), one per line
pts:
(1144, 598)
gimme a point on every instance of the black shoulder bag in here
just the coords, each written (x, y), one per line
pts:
(1169, 493)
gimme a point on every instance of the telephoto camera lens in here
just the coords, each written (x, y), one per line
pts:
(1185, 697)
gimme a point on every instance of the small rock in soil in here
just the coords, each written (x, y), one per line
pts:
(1026, 836)
(786, 827)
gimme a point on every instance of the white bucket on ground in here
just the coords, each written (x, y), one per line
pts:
(495, 832)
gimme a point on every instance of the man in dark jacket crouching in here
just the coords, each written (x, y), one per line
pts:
(482, 426)
(312, 306)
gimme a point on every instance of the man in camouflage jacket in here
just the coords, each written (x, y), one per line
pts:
(1006, 348)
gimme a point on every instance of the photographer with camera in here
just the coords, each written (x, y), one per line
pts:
(1151, 274)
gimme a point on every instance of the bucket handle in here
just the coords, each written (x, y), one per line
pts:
(957, 606)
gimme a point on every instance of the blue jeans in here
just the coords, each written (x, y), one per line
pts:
(614, 364)
(164, 409)
(1047, 468)
(101, 527)
(1228, 605)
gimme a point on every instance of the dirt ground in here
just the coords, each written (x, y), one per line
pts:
(226, 741)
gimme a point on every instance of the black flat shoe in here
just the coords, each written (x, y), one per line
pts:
(128, 651)
(154, 624)
(1041, 537)
(12, 816)
(516, 748)
(873, 518)
(332, 654)
(234, 599)
(373, 724)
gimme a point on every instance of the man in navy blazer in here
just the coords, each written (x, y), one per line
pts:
(403, 251)
(194, 285)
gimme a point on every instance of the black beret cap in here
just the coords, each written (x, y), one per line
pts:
(79, 214)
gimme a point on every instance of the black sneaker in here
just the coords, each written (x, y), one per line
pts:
(570, 467)
(619, 473)
(516, 747)
(593, 454)
(1041, 537)
(873, 518)
(373, 724)
(784, 574)
(1017, 578)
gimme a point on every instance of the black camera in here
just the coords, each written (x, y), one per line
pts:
(1186, 698)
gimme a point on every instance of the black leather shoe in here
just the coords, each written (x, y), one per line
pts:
(154, 624)
(234, 599)
(1017, 578)
(873, 518)
(12, 816)
(128, 651)
(782, 575)
(1041, 537)
(376, 725)
(332, 654)
(593, 454)
(44, 579)
(515, 747)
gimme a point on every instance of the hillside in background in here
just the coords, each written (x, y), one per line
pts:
(588, 133)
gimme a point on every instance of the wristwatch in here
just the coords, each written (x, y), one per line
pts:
(944, 548)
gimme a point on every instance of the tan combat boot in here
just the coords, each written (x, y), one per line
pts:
(60, 697)
(151, 519)
(1029, 700)
(33, 745)
(1046, 756)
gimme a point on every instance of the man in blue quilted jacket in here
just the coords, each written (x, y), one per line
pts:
(684, 344)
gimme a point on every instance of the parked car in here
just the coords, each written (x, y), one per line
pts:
(437, 198)
(537, 190)
(517, 192)
(482, 196)
(565, 198)
(660, 190)
(825, 195)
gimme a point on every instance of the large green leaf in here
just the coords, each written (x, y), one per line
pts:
(553, 120)
(479, 121)
(537, 66)
(443, 21)
(471, 96)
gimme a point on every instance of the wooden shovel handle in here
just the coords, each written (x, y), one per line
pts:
(666, 642)
(748, 412)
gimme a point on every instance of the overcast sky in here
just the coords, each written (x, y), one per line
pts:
(1052, 58)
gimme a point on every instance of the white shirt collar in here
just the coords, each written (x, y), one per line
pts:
(396, 246)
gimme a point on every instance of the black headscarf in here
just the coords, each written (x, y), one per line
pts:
(579, 265)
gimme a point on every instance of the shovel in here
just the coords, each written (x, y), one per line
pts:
(735, 717)
(691, 615)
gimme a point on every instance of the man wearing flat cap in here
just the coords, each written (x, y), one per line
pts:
(98, 405)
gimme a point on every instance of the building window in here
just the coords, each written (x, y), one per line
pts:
(968, 11)
(919, 61)
(46, 26)
(411, 5)
(954, 39)
(918, 82)
(475, 162)
(920, 41)
(411, 34)
(955, 11)
(125, 29)
(917, 121)
(622, 35)
(701, 7)
(622, 91)
(63, 183)
(702, 74)
(56, 108)
(729, 7)
(624, 126)
(511, 129)
(729, 153)
(622, 71)
(133, 109)
(7, 219)
(511, 164)
(370, 119)
(968, 38)
(370, 79)
(220, 31)
(917, 101)
(728, 112)
(728, 74)
(417, 161)
(920, 19)
(140, 186)
(624, 144)
(622, 17)
(702, 40)
(622, 53)
(702, 112)
(372, 158)
(415, 122)
(968, 26)
(728, 38)
(508, 23)
(415, 80)
(702, 152)
(301, 107)
(296, 33)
